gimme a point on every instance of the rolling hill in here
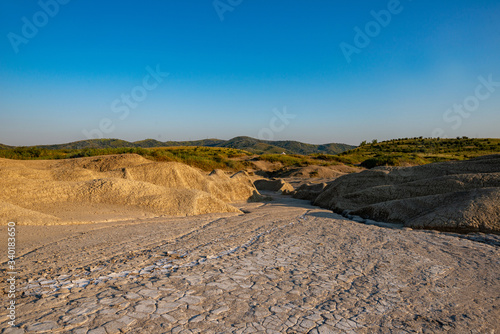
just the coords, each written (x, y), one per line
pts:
(242, 143)
(419, 151)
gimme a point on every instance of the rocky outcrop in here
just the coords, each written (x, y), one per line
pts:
(459, 196)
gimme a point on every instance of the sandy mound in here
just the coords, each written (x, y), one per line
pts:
(460, 195)
(274, 185)
(265, 166)
(105, 163)
(178, 175)
(313, 171)
(54, 192)
(11, 212)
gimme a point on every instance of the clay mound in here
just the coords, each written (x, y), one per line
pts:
(309, 191)
(104, 163)
(274, 185)
(72, 174)
(225, 188)
(266, 166)
(29, 217)
(314, 171)
(458, 195)
(22, 170)
(160, 200)
(219, 173)
(52, 192)
(464, 211)
(178, 175)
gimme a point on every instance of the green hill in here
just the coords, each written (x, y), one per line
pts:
(305, 149)
(254, 145)
(419, 151)
(287, 146)
(241, 143)
(91, 143)
(236, 153)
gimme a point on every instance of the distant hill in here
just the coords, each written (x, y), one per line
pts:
(419, 151)
(252, 145)
(236, 153)
(91, 143)
(287, 146)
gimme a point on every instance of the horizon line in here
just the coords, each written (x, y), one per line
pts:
(263, 140)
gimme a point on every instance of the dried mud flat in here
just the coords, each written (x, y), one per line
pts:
(282, 267)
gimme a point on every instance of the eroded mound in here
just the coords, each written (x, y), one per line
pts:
(314, 171)
(274, 185)
(459, 195)
(92, 189)
(309, 191)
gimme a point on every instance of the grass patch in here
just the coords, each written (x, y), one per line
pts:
(206, 158)
(287, 160)
(418, 151)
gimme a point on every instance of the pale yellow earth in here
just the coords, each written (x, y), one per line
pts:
(136, 263)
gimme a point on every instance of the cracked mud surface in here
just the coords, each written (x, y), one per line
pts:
(283, 267)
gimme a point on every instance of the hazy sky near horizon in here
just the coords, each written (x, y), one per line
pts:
(313, 71)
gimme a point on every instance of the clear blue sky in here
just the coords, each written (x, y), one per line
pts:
(227, 76)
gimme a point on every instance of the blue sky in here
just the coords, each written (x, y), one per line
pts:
(66, 81)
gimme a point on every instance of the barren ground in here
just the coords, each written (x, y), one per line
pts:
(282, 267)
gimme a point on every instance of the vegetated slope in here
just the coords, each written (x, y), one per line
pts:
(243, 143)
(419, 151)
(456, 195)
(206, 158)
(305, 149)
(113, 187)
(155, 143)
(287, 146)
(90, 143)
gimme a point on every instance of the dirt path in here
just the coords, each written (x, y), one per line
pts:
(284, 266)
